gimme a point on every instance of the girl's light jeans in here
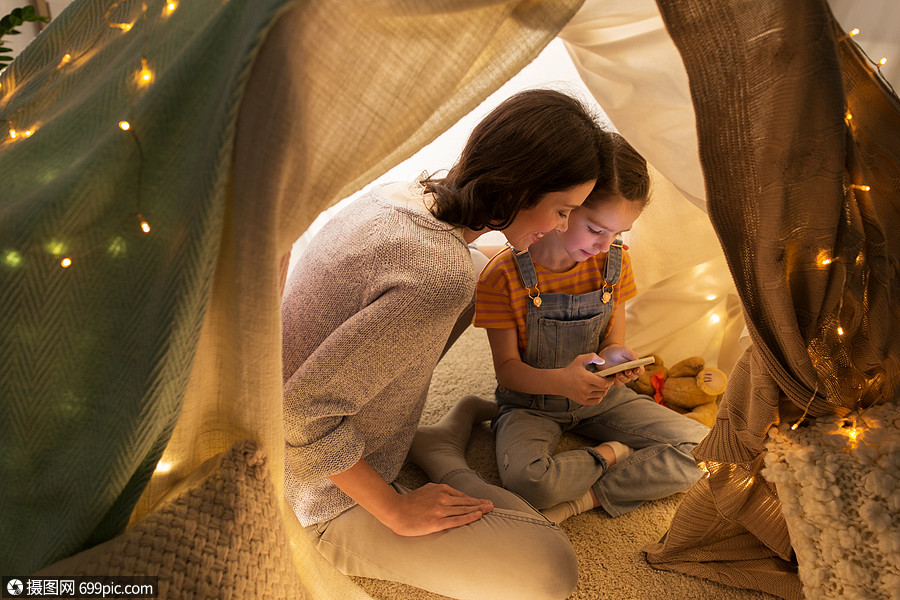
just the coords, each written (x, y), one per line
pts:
(529, 428)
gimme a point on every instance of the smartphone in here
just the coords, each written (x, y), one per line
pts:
(647, 360)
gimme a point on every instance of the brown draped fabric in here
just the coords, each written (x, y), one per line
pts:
(804, 199)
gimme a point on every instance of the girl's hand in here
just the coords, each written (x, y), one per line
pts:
(434, 507)
(618, 353)
(582, 386)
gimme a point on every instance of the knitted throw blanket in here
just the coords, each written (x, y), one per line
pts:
(839, 486)
(120, 119)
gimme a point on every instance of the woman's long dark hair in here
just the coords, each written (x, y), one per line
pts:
(534, 143)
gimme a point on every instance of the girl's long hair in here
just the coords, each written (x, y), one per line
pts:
(625, 174)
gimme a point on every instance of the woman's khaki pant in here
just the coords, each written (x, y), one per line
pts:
(512, 552)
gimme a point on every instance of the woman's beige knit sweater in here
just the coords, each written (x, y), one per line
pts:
(366, 314)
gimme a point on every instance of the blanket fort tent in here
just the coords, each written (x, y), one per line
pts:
(121, 346)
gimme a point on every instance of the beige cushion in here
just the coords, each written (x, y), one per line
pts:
(216, 534)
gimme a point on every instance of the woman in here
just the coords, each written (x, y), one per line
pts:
(367, 314)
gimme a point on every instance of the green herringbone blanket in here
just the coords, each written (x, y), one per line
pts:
(95, 356)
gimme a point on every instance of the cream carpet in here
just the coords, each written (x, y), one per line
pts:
(611, 563)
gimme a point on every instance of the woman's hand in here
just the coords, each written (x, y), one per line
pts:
(581, 385)
(433, 507)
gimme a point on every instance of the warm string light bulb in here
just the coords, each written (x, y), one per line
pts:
(145, 226)
(126, 27)
(170, 8)
(850, 34)
(66, 262)
(824, 258)
(852, 427)
(64, 61)
(124, 125)
(882, 62)
(12, 258)
(864, 188)
(840, 331)
(145, 75)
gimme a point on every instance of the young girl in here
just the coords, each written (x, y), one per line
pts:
(367, 313)
(553, 312)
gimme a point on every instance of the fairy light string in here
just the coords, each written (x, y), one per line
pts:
(852, 425)
(806, 410)
(12, 132)
(14, 255)
(875, 64)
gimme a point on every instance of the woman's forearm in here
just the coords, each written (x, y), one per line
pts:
(368, 489)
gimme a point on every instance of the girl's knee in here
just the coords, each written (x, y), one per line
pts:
(697, 432)
(538, 491)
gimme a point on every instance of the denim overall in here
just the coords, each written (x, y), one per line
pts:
(560, 327)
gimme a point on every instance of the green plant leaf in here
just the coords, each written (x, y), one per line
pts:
(8, 25)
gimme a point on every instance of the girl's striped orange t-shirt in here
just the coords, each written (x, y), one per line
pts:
(500, 296)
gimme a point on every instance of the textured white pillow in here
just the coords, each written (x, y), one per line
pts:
(839, 486)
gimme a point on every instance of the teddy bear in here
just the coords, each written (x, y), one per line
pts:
(688, 387)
